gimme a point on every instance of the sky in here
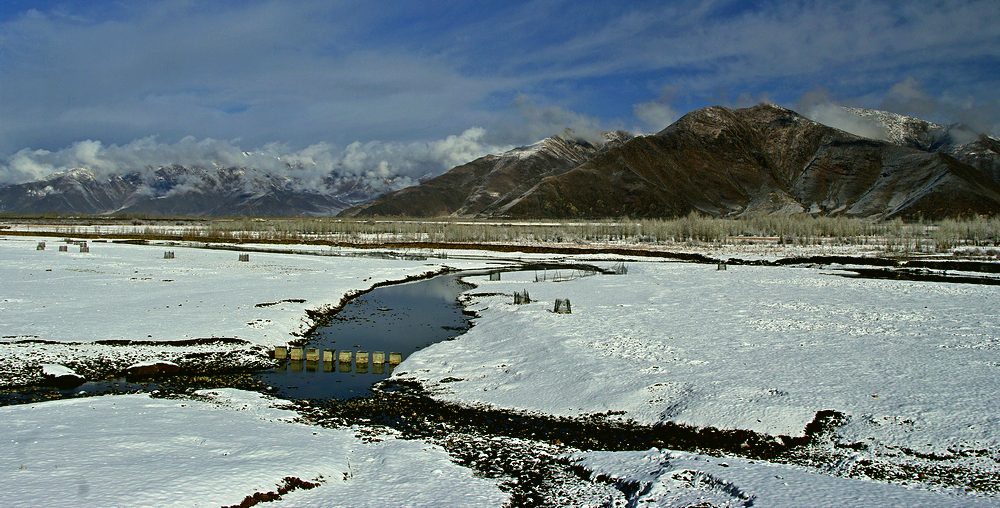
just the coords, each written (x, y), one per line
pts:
(394, 87)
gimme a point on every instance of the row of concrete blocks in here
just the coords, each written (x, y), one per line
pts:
(65, 248)
(313, 355)
(169, 254)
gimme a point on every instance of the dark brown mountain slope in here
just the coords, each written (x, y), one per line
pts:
(485, 185)
(764, 159)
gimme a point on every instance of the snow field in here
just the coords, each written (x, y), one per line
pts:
(914, 365)
(670, 478)
(122, 291)
(134, 450)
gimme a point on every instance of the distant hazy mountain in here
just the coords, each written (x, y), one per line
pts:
(723, 162)
(177, 190)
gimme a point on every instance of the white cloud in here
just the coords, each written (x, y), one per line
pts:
(541, 121)
(373, 161)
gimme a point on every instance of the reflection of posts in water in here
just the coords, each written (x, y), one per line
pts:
(328, 365)
(297, 353)
(361, 368)
(280, 352)
(344, 367)
(378, 368)
(296, 365)
(311, 365)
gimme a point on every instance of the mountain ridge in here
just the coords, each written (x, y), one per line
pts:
(764, 159)
(715, 161)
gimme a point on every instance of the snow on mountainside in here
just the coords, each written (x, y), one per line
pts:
(192, 190)
(901, 129)
(915, 132)
(490, 184)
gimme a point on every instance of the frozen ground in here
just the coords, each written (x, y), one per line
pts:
(914, 366)
(669, 478)
(62, 302)
(134, 450)
(123, 291)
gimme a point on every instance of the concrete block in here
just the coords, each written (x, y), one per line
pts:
(378, 357)
(361, 358)
(280, 352)
(395, 358)
(344, 357)
(312, 354)
(297, 354)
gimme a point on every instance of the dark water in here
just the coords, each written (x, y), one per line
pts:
(401, 318)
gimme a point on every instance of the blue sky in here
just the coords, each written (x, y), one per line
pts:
(390, 74)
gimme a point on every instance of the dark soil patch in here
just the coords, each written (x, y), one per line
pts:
(288, 484)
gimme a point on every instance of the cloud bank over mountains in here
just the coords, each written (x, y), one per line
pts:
(373, 162)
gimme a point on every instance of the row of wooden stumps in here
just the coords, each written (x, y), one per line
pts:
(361, 359)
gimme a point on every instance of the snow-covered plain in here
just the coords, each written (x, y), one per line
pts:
(134, 450)
(123, 291)
(65, 301)
(671, 478)
(914, 365)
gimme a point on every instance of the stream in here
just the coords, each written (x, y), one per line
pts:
(401, 318)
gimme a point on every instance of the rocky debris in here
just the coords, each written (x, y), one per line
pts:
(60, 376)
(154, 368)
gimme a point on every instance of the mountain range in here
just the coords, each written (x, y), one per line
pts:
(725, 163)
(716, 161)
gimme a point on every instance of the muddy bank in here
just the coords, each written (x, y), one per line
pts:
(21, 360)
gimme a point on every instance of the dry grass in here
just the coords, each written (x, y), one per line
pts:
(893, 236)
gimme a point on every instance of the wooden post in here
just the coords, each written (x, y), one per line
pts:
(395, 358)
(344, 357)
(280, 352)
(495, 276)
(361, 358)
(312, 354)
(721, 267)
(64, 248)
(328, 356)
(84, 248)
(378, 357)
(245, 257)
(297, 354)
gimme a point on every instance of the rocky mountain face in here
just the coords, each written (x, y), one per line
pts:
(184, 191)
(723, 162)
(488, 186)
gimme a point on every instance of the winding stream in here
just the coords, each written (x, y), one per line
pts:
(400, 318)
